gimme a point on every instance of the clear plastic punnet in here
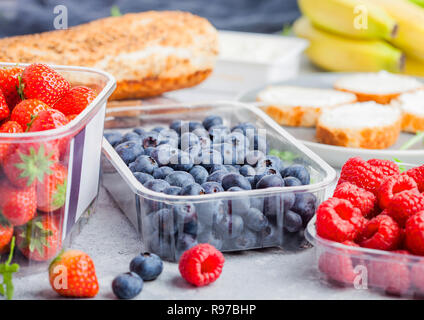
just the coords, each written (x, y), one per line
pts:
(219, 218)
(70, 156)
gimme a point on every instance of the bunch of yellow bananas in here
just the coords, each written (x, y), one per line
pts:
(364, 35)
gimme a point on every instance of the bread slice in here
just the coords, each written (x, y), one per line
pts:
(360, 125)
(300, 106)
(412, 106)
(148, 53)
(380, 87)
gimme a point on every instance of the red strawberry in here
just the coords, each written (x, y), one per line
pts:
(4, 109)
(75, 101)
(51, 193)
(47, 120)
(26, 110)
(41, 82)
(71, 117)
(9, 83)
(9, 127)
(76, 269)
(17, 205)
(40, 239)
(30, 162)
(6, 234)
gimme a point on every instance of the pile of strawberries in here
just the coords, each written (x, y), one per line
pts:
(378, 207)
(34, 172)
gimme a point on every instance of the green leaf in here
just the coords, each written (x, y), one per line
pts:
(418, 137)
(287, 30)
(401, 168)
(6, 287)
(115, 11)
(284, 155)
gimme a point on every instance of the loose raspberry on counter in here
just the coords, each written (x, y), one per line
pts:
(382, 233)
(414, 233)
(418, 175)
(360, 198)
(339, 220)
(362, 174)
(392, 276)
(201, 265)
(389, 168)
(405, 204)
(393, 186)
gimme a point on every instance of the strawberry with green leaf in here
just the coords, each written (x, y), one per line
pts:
(18, 205)
(9, 127)
(4, 108)
(9, 83)
(39, 239)
(75, 101)
(51, 193)
(6, 234)
(25, 111)
(7, 270)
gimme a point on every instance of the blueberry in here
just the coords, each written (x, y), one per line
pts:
(260, 144)
(257, 203)
(150, 139)
(147, 265)
(127, 285)
(158, 129)
(305, 206)
(208, 157)
(204, 142)
(139, 131)
(172, 190)
(247, 128)
(162, 172)
(211, 238)
(270, 181)
(164, 221)
(263, 171)
(184, 242)
(188, 140)
(182, 161)
(231, 168)
(292, 221)
(132, 166)
(217, 176)
(255, 220)
(145, 164)
(235, 180)
(288, 199)
(217, 167)
(113, 137)
(185, 217)
(229, 226)
(194, 189)
(247, 170)
(180, 179)
(177, 124)
(201, 133)
(237, 139)
(163, 154)
(129, 151)
(270, 236)
(292, 182)
(298, 171)
(212, 187)
(247, 240)
(162, 245)
(157, 185)
(238, 205)
(148, 151)
(271, 162)
(211, 121)
(130, 136)
(168, 135)
(143, 177)
(273, 207)
(218, 133)
(199, 173)
(208, 211)
(253, 157)
(231, 154)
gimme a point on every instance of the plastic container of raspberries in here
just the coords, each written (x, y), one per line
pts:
(170, 223)
(395, 273)
(44, 210)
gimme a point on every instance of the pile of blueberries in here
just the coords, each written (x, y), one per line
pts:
(197, 158)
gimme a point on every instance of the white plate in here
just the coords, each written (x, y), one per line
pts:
(334, 155)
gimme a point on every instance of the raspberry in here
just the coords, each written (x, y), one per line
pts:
(418, 175)
(417, 276)
(389, 168)
(360, 198)
(339, 220)
(414, 233)
(382, 233)
(405, 204)
(392, 276)
(392, 186)
(201, 265)
(362, 174)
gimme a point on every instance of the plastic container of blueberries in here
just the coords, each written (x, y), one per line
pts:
(80, 156)
(386, 272)
(170, 240)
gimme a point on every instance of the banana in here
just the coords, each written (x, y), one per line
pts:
(410, 18)
(419, 2)
(354, 18)
(335, 53)
(414, 67)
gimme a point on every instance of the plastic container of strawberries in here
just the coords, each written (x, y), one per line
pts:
(387, 272)
(41, 236)
(139, 204)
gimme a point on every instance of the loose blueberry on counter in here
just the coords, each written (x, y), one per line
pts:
(292, 221)
(147, 265)
(199, 173)
(194, 189)
(187, 140)
(253, 157)
(217, 176)
(212, 187)
(113, 137)
(217, 167)
(185, 215)
(255, 220)
(235, 180)
(292, 182)
(271, 162)
(270, 181)
(129, 151)
(182, 161)
(298, 171)
(247, 170)
(139, 131)
(143, 177)
(211, 121)
(305, 205)
(162, 172)
(238, 205)
(145, 164)
(173, 191)
(127, 285)
(150, 139)
(157, 185)
(229, 226)
(180, 179)
(130, 136)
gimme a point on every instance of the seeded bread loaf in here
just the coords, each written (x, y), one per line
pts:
(148, 53)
